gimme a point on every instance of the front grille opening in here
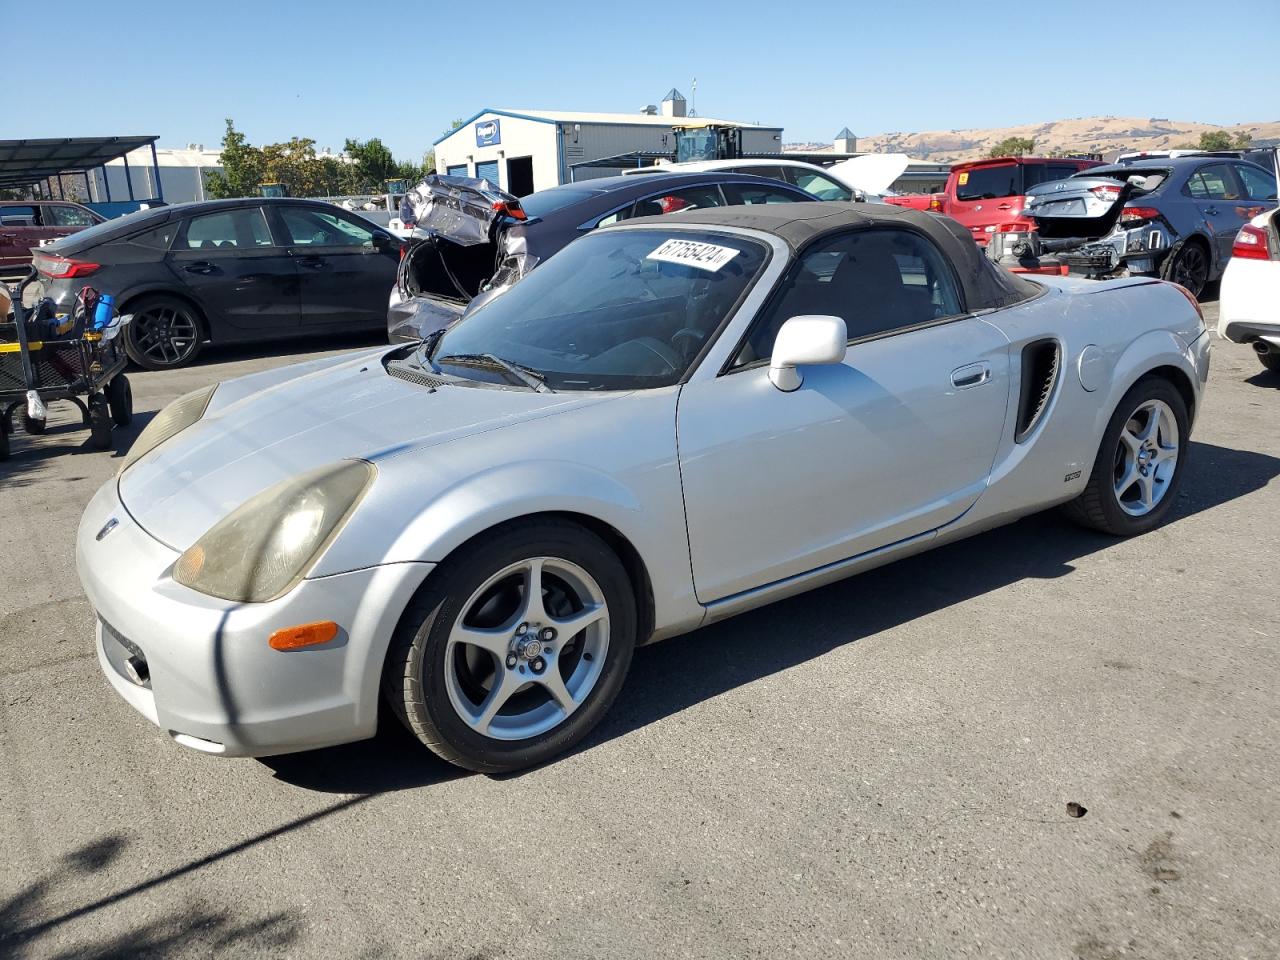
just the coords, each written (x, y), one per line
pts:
(1040, 363)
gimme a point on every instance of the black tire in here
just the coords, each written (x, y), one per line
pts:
(100, 422)
(4, 441)
(1270, 360)
(165, 333)
(1099, 506)
(1187, 265)
(33, 426)
(120, 400)
(414, 677)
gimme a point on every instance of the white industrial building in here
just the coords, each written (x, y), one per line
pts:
(526, 150)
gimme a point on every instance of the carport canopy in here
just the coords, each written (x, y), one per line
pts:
(28, 161)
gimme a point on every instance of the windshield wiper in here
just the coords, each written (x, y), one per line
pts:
(530, 378)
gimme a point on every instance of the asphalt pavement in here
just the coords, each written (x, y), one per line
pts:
(882, 768)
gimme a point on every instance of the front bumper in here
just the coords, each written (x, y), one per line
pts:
(208, 677)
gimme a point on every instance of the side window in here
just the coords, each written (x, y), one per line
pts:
(317, 228)
(231, 229)
(65, 215)
(751, 193)
(1035, 173)
(1258, 184)
(773, 173)
(818, 184)
(690, 198)
(877, 281)
(157, 239)
(623, 214)
(1213, 182)
(17, 216)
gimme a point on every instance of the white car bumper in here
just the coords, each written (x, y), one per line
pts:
(209, 678)
(1249, 301)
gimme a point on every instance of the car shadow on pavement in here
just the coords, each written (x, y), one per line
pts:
(671, 676)
(1266, 378)
(30, 457)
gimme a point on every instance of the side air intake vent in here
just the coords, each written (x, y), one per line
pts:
(1040, 364)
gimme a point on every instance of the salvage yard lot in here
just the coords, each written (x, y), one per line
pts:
(877, 769)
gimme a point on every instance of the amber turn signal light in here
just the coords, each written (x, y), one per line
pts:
(303, 635)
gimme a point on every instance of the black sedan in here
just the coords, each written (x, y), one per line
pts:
(473, 241)
(228, 271)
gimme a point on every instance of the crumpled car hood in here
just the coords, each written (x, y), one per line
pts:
(352, 410)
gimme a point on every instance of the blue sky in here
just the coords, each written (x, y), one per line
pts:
(402, 72)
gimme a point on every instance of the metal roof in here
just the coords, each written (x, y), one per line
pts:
(845, 134)
(27, 161)
(673, 94)
(619, 119)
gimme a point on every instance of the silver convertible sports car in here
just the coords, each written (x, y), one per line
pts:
(672, 421)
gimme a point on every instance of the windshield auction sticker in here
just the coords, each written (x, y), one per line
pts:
(689, 253)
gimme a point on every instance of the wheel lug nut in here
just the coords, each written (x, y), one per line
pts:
(512, 660)
(547, 634)
(538, 665)
(522, 629)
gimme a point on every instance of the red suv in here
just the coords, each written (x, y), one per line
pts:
(987, 195)
(27, 223)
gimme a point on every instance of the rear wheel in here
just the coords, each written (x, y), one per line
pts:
(1139, 466)
(515, 648)
(165, 333)
(1188, 265)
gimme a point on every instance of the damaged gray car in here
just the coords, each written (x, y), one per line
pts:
(1172, 217)
(472, 241)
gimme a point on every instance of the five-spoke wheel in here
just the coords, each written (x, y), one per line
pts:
(515, 647)
(1139, 466)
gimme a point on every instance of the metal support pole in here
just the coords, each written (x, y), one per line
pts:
(88, 189)
(106, 180)
(155, 166)
(127, 178)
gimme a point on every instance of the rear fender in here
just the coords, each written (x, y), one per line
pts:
(1152, 350)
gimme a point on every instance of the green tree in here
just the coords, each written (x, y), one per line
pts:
(242, 168)
(371, 165)
(1012, 147)
(1218, 140)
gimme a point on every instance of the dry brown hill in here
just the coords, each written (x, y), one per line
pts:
(1106, 135)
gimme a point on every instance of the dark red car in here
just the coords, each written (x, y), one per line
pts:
(28, 223)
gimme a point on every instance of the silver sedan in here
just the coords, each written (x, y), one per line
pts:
(668, 423)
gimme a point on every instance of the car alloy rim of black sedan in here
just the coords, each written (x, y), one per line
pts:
(165, 335)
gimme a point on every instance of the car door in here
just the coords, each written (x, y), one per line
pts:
(20, 230)
(344, 276)
(1259, 190)
(894, 442)
(1216, 192)
(236, 271)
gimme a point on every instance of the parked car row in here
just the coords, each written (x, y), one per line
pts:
(30, 223)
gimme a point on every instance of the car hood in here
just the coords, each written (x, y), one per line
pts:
(355, 409)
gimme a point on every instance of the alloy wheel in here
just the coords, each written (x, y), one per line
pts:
(1191, 269)
(527, 648)
(165, 335)
(1146, 458)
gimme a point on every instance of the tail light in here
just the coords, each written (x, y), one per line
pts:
(1106, 194)
(511, 209)
(1016, 226)
(1132, 216)
(1252, 243)
(935, 204)
(63, 268)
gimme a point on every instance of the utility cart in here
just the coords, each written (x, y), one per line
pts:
(78, 357)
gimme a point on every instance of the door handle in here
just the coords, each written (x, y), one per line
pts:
(970, 375)
(312, 262)
(202, 266)
(1004, 206)
(1211, 211)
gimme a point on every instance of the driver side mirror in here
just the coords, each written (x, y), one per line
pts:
(381, 241)
(807, 339)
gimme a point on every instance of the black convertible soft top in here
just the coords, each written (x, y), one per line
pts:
(986, 286)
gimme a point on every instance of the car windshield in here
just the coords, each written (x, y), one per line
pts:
(989, 183)
(614, 310)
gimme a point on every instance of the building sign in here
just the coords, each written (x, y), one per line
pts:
(488, 133)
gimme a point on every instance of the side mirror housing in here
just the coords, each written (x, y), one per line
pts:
(807, 339)
(381, 241)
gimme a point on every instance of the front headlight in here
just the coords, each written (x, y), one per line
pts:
(262, 549)
(170, 421)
